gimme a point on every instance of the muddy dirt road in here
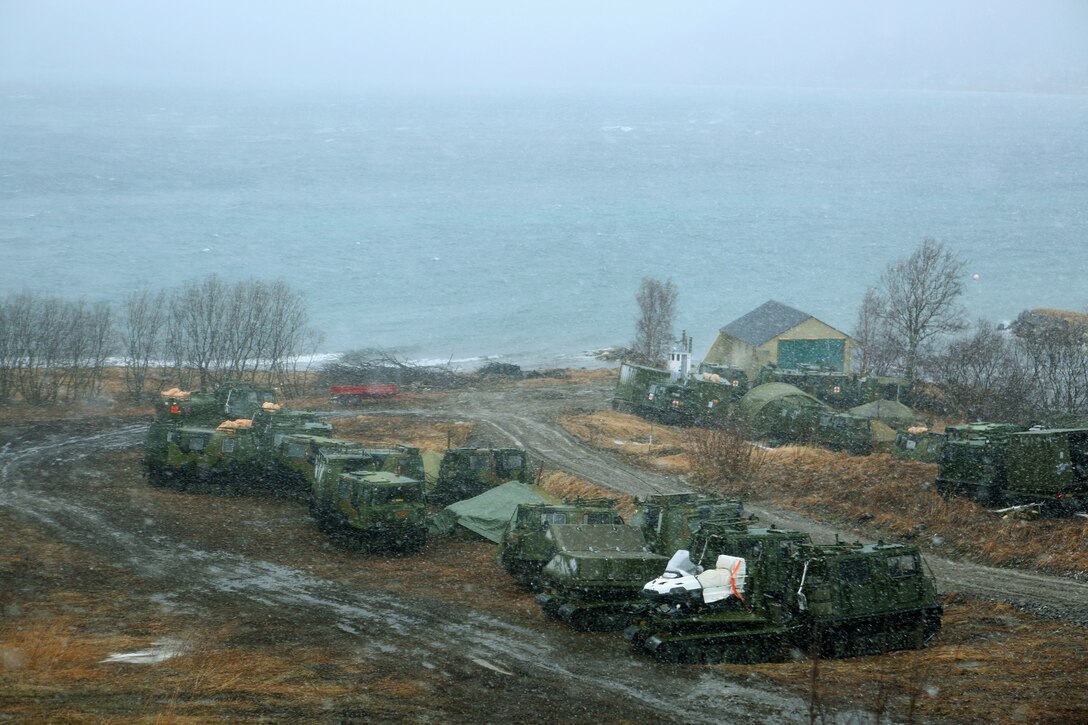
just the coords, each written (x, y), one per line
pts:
(482, 665)
(260, 570)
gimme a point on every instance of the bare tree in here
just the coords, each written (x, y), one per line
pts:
(217, 331)
(878, 349)
(982, 377)
(1055, 345)
(657, 309)
(142, 327)
(919, 297)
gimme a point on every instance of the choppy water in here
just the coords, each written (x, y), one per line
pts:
(519, 226)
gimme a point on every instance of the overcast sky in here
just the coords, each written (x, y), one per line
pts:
(998, 44)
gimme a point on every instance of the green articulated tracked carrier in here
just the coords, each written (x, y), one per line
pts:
(669, 520)
(593, 581)
(207, 459)
(527, 544)
(744, 593)
(378, 510)
(1000, 464)
(468, 472)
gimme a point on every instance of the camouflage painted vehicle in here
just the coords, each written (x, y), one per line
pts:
(668, 521)
(836, 388)
(918, 445)
(290, 469)
(468, 472)
(273, 423)
(337, 457)
(744, 594)
(633, 387)
(593, 581)
(999, 465)
(221, 459)
(843, 432)
(527, 544)
(228, 400)
(377, 509)
(693, 400)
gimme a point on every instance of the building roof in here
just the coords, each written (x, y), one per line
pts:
(765, 322)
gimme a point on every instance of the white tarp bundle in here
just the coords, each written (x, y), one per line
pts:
(725, 580)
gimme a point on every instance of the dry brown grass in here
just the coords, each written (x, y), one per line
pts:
(990, 663)
(633, 439)
(879, 494)
(897, 497)
(567, 486)
(383, 430)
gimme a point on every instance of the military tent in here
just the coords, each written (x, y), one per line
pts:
(488, 513)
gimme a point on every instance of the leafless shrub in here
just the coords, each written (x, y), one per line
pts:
(723, 457)
(246, 331)
(982, 377)
(141, 329)
(52, 350)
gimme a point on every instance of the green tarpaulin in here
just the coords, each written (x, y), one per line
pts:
(488, 513)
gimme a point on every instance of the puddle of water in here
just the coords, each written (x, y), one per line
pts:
(159, 651)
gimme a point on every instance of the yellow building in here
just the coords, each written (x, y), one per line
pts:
(779, 334)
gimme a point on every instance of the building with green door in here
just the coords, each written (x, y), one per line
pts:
(779, 334)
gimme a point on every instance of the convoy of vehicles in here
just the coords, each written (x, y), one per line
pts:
(731, 592)
(378, 495)
(781, 406)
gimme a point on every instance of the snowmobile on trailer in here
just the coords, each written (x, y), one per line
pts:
(766, 591)
(592, 582)
(527, 544)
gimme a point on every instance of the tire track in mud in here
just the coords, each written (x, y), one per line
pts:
(441, 636)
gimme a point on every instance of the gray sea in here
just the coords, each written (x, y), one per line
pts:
(517, 227)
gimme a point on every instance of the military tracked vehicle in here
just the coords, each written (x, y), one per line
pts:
(468, 472)
(836, 388)
(746, 594)
(223, 458)
(527, 545)
(693, 400)
(338, 456)
(1000, 464)
(918, 444)
(378, 509)
(592, 582)
(228, 400)
(668, 521)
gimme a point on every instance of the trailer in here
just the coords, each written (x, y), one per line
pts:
(356, 394)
